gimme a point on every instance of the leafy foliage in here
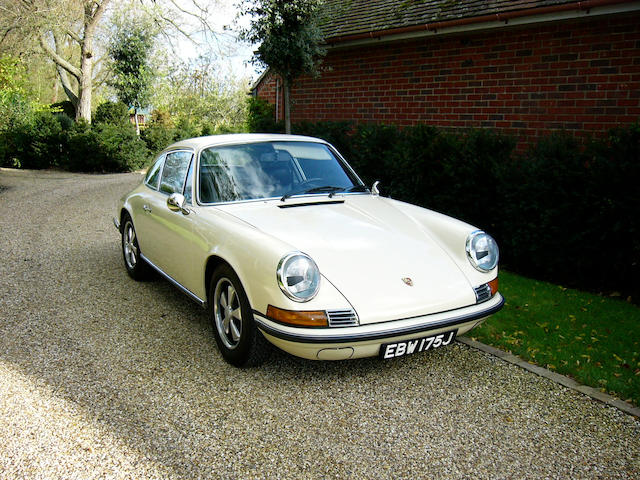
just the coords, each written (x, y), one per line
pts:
(15, 108)
(260, 116)
(197, 96)
(54, 140)
(112, 112)
(65, 107)
(104, 147)
(129, 51)
(288, 33)
(570, 214)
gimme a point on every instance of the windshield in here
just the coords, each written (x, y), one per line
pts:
(271, 169)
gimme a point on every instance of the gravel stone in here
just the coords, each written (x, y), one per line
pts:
(103, 377)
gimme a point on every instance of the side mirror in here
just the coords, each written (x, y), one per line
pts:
(176, 202)
(374, 189)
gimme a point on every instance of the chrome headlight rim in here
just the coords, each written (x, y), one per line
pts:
(471, 253)
(280, 274)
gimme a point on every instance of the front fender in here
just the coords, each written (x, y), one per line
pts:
(254, 256)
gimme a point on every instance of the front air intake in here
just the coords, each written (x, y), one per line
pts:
(483, 293)
(342, 318)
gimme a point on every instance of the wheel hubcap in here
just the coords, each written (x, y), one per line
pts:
(129, 245)
(227, 313)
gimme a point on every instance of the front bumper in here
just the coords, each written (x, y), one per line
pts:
(365, 340)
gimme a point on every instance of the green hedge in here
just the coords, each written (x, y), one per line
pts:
(54, 140)
(570, 214)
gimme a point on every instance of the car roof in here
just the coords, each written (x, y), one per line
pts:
(198, 143)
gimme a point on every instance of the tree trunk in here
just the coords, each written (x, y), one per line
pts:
(287, 105)
(83, 111)
(135, 114)
(93, 12)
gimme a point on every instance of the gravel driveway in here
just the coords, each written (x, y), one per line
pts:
(103, 377)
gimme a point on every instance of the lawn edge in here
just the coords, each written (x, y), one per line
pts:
(554, 377)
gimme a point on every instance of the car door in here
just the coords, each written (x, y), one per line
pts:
(169, 233)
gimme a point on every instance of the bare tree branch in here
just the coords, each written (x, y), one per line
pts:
(61, 62)
(74, 36)
(94, 19)
(178, 28)
(66, 85)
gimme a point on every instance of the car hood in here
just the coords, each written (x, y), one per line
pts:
(385, 263)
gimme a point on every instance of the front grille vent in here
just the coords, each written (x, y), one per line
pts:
(483, 293)
(342, 318)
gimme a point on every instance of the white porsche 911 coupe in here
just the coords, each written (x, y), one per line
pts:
(278, 238)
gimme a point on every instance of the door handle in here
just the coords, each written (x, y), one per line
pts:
(146, 208)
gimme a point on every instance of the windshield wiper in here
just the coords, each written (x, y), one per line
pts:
(324, 189)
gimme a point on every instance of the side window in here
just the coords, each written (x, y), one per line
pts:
(153, 175)
(174, 172)
(188, 194)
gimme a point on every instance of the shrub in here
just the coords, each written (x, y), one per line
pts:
(65, 107)
(105, 148)
(370, 152)
(570, 213)
(123, 150)
(157, 137)
(83, 149)
(611, 222)
(260, 117)
(36, 142)
(185, 129)
(41, 144)
(115, 113)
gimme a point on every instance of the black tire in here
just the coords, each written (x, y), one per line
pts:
(239, 340)
(136, 267)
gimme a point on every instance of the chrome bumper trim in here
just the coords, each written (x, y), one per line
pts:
(379, 331)
(116, 223)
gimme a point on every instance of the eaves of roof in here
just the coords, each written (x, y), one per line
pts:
(352, 28)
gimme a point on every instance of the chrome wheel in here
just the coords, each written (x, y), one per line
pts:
(227, 313)
(130, 245)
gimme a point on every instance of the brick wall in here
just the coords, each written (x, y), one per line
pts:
(579, 75)
(266, 90)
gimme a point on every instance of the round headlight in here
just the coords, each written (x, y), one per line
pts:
(298, 277)
(482, 251)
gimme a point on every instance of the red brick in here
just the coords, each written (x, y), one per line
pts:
(582, 75)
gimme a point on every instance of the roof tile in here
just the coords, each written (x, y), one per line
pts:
(351, 17)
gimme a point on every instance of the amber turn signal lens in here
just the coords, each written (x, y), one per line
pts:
(493, 285)
(301, 319)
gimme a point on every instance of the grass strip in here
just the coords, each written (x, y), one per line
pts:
(593, 339)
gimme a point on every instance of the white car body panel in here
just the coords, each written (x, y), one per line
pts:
(365, 247)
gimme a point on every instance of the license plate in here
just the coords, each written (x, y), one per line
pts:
(416, 345)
